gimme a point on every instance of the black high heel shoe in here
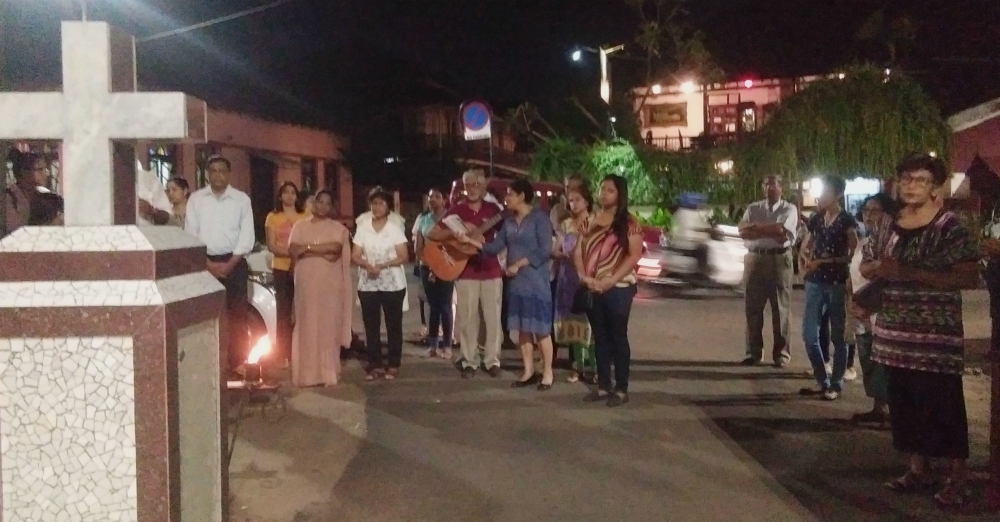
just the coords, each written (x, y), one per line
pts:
(544, 387)
(534, 379)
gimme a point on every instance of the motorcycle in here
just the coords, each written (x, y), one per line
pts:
(718, 263)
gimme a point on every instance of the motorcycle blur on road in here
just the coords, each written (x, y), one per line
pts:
(712, 259)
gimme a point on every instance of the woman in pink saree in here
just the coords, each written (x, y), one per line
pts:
(323, 303)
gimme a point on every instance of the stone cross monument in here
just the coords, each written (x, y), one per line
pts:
(110, 378)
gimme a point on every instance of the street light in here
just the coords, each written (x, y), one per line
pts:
(657, 89)
(605, 73)
(603, 52)
(688, 87)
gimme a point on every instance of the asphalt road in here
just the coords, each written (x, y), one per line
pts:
(703, 439)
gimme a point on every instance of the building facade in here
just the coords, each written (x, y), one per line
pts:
(688, 115)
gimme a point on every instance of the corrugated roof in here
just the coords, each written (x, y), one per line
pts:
(974, 116)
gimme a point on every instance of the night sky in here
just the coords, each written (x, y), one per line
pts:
(352, 64)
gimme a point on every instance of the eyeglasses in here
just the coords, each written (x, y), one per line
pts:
(917, 181)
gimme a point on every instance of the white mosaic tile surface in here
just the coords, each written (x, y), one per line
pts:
(126, 238)
(48, 294)
(67, 430)
(76, 239)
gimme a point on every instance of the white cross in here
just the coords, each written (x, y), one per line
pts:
(98, 105)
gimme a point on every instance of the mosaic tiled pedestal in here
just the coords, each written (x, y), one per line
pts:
(110, 405)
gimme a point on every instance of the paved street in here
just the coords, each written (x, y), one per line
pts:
(703, 439)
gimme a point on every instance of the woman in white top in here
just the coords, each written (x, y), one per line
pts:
(872, 373)
(380, 252)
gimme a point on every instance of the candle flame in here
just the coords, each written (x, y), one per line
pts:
(262, 348)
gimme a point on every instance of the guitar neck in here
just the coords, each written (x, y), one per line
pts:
(488, 224)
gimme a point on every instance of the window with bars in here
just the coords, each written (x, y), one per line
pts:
(161, 163)
(309, 176)
(202, 153)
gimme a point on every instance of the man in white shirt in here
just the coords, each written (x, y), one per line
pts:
(768, 227)
(222, 218)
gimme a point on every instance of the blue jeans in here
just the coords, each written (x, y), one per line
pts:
(820, 296)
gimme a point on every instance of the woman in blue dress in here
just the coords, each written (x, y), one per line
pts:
(527, 236)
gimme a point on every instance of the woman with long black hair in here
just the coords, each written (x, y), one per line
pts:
(605, 259)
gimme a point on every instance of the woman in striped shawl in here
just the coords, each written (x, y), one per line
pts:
(920, 259)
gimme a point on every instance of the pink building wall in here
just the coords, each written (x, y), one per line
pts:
(238, 136)
(982, 139)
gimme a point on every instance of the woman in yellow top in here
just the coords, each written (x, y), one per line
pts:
(288, 210)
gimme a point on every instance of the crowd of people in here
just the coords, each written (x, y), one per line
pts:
(897, 273)
(882, 288)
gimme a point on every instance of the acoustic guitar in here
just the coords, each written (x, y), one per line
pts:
(448, 259)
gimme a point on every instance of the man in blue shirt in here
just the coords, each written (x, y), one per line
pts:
(222, 218)
(826, 257)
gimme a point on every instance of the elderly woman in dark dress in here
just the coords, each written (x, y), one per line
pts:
(527, 236)
(922, 257)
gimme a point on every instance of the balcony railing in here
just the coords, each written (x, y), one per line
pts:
(675, 143)
(681, 143)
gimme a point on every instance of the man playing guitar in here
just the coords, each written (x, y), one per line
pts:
(480, 287)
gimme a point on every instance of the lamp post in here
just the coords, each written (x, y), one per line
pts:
(606, 73)
(603, 53)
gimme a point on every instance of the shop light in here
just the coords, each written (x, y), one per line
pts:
(816, 187)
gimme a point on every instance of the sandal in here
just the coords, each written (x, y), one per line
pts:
(910, 482)
(372, 375)
(392, 374)
(573, 377)
(952, 495)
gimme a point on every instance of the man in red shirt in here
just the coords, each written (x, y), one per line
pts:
(480, 287)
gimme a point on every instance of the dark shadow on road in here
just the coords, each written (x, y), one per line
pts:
(833, 468)
(639, 374)
(765, 399)
(669, 364)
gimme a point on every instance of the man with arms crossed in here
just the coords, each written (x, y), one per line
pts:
(480, 286)
(221, 217)
(768, 228)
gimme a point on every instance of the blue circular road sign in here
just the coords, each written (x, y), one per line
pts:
(475, 115)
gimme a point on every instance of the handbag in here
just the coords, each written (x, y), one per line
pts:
(583, 300)
(869, 297)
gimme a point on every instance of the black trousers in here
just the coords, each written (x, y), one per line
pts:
(373, 305)
(237, 304)
(441, 325)
(927, 412)
(609, 318)
(284, 296)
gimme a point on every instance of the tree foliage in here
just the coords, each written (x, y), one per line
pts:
(860, 125)
(672, 48)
